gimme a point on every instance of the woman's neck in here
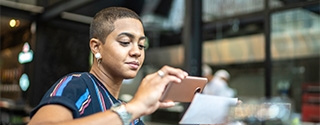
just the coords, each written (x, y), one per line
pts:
(113, 85)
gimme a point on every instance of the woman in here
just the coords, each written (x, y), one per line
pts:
(117, 42)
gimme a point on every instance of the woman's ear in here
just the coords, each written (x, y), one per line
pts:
(94, 45)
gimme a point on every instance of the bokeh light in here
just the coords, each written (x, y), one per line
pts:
(14, 23)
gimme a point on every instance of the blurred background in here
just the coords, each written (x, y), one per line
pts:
(270, 47)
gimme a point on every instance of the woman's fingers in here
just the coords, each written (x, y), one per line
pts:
(167, 70)
(167, 104)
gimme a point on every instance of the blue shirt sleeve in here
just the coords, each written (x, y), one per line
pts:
(66, 92)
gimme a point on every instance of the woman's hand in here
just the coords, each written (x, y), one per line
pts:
(146, 99)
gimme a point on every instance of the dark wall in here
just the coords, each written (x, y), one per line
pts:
(60, 49)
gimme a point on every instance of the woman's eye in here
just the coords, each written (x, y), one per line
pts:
(124, 43)
(142, 47)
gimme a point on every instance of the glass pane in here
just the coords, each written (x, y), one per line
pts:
(295, 44)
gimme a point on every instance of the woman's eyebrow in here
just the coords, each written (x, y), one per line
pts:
(142, 38)
(131, 35)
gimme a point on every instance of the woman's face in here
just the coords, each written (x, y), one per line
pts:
(123, 52)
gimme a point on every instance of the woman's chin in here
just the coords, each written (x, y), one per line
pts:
(130, 76)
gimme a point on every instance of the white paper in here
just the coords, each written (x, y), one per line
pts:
(208, 109)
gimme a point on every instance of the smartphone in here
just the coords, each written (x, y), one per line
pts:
(184, 91)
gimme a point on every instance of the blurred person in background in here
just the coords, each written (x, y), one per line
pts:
(218, 86)
(117, 41)
(218, 83)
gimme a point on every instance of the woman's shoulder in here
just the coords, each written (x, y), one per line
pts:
(73, 80)
(75, 76)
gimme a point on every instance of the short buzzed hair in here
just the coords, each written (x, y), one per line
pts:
(103, 22)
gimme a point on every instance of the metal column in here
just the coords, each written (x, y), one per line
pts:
(192, 37)
(268, 61)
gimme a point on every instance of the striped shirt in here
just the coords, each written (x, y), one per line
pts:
(82, 94)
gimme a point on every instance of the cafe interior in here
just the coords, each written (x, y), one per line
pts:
(271, 48)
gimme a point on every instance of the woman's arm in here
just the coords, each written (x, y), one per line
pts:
(59, 115)
(145, 101)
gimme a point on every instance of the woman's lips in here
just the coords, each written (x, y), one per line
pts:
(133, 65)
